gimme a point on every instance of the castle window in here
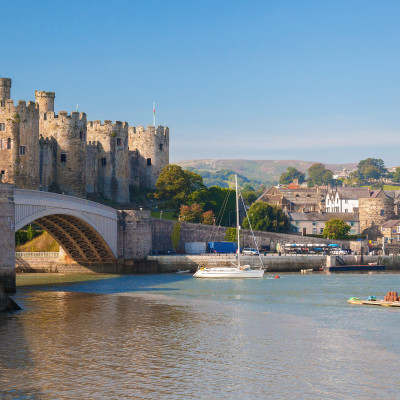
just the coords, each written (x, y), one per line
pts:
(149, 161)
(3, 172)
(119, 141)
(382, 213)
(63, 158)
(2, 127)
(8, 143)
(104, 161)
(22, 150)
(81, 134)
(161, 146)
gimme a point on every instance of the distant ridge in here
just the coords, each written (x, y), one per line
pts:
(266, 171)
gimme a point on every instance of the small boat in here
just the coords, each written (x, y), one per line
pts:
(354, 300)
(305, 271)
(239, 271)
(373, 301)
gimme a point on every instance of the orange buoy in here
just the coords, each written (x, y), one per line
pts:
(277, 277)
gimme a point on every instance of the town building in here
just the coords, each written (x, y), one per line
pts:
(313, 223)
(391, 230)
(344, 199)
(66, 153)
(296, 199)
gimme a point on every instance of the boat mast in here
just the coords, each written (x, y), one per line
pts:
(237, 221)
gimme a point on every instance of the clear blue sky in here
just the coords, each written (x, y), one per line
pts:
(310, 80)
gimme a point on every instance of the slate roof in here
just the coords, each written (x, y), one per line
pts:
(391, 223)
(351, 193)
(324, 216)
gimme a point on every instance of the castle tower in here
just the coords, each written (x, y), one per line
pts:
(5, 89)
(375, 211)
(150, 147)
(45, 100)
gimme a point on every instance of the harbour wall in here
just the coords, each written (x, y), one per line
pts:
(273, 263)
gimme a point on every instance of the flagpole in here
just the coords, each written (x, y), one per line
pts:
(154, 114)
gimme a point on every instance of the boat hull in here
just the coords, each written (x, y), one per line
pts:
(341, 268)
(228, 273)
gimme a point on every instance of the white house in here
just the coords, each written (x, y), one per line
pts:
(344, 199)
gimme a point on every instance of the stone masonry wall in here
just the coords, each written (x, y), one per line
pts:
(7, 237)
(162, 230)
(375, 212)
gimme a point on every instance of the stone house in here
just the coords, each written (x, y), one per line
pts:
(313, 223)
(295, 199)
(391, 230)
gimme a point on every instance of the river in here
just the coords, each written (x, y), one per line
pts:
(171, 336)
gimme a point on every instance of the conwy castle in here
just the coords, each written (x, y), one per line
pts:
(67, 154)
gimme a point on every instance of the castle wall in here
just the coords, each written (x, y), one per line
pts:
(69, 152)
(19, 144)
(112, 159)
(47, 160)
(375, 212)
(152, 146)
(5, 89)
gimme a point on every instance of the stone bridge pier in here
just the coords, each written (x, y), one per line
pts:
(94, 236)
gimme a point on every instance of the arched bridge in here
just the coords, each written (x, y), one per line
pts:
(86, 230)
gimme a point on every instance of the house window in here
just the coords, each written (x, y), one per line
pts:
(8, 143)
(161, 146)
(314, 223)
(346, 210)
(149, 161)
(3, 172)
(2, 127)
(398, 229)
(314, 231)
(119, 141)
(104, 161)
(22, 150)
(321, 230)
(382, 213)
(351, 223)
(63, 158)
(346, 201)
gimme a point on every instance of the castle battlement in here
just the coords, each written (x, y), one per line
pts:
(22, 109)
(159, 132)
(107, 123)
(63, 116)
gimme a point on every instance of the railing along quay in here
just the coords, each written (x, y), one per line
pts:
(37, 254)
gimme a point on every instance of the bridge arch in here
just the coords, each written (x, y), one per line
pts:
(87, 231)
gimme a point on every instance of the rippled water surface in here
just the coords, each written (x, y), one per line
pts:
(175, 337)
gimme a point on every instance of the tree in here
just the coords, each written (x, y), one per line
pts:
(174, 185)
(264, 217)
(192, 213)
(30, 233)
(176, 235)
(371, 168)
(396, 175)
(208, 218)
(290, 175)
(319, 175)
(336, 229)
(231, 235)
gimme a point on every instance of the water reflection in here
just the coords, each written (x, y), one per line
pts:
(193, 340)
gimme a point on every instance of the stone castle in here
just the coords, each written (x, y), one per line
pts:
(65, 153)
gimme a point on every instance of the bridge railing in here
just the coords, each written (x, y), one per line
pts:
(37, 254)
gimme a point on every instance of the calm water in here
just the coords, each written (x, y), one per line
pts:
(176, 337)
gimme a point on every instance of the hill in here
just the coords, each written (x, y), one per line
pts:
(265, 171)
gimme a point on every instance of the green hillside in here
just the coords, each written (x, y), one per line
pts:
(260, 171)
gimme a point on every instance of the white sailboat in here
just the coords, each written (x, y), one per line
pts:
(239, 271)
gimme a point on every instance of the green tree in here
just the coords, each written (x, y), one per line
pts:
(319, 175)
(371, 168)
(231, 235)
(174, 185)
(396, 175)
(30, 233)
(176, 235)
(336, 229)
(290, 175)
(264, 217)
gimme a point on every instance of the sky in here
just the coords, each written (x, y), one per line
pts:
(265, 80)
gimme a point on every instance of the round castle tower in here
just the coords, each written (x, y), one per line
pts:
(375, 212)
(5, 89)
(45, 100)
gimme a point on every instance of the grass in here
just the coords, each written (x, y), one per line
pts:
(165, 215)
(44, 242)
(391, 187)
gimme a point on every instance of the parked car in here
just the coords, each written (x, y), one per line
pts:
(250, 251)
